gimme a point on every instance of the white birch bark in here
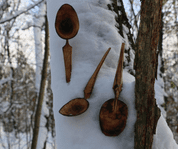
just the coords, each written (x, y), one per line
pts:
(39, 20)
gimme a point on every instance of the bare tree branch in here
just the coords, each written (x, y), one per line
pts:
(133, 12)
(18, 13)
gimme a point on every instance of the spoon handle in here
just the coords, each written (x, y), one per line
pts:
(118, 81)
(67, 52)
(91, 82)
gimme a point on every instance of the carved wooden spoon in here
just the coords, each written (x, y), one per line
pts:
(113, 113)
(67, 26)
(78, 106)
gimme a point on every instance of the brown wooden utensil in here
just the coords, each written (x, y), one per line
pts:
(79, 105)
(113, 113)
(67, 26)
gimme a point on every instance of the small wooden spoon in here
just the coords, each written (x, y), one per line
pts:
(67, 26)
(113, 113)
(79, 105)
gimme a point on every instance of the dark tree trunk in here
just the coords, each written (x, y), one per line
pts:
(160, 46)
(145, 66)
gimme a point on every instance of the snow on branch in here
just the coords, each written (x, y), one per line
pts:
(5, 80)
(18, 13)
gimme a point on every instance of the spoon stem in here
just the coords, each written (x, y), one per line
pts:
(115, 104)
(67, 52)
(118, 81)
(91, 82)
(117, 92)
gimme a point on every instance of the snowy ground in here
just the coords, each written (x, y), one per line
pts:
(96, 34)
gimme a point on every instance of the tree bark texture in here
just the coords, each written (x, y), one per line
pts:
(145, 66)
(42, 90)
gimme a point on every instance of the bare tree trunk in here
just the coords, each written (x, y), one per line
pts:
(145, 66)
(42, 90)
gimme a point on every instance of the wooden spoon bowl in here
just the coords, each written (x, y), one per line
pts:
(67, 23)
(74, 107)
(67, 26)
(113, 113)
(113, 122)
(78, 106)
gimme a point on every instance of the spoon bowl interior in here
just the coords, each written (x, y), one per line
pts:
(113, 122)
(74, 107)
(67, 23)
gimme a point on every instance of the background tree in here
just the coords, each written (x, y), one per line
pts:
(170, 44)
(19, 92)
(167, 50)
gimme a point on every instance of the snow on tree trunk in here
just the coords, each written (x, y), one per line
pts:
(96, 34)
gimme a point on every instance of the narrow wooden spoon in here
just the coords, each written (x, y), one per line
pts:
(78, 106)
(113, 113)
(67, 26)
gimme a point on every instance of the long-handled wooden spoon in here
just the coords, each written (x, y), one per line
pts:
(113, 113)
(67, 26)
(79, 105)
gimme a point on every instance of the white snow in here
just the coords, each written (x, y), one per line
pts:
(96, 34)
(4, 80)
(164, 137)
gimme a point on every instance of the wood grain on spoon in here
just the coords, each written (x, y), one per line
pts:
(67, 26)
(113, 113)
(118, 81)
(67, 52)
(91, 82)
(78, 106)
(67, 22)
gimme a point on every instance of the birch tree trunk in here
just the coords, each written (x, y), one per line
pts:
(42, 91)
(40, 74)
(145, 66)
(39, 21)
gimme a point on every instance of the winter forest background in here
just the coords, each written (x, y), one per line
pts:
(23, 40)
